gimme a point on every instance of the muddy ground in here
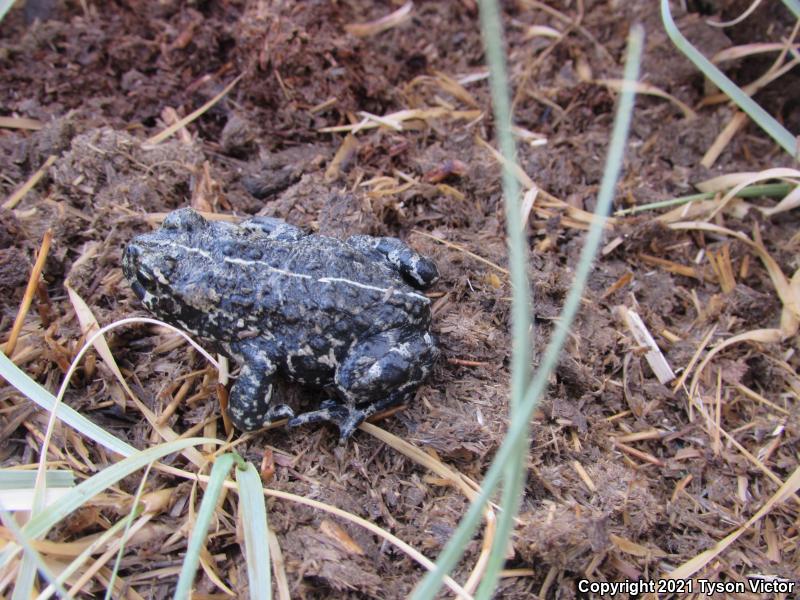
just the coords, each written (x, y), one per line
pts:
(101, 78)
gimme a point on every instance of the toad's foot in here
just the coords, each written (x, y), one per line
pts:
(346, 417)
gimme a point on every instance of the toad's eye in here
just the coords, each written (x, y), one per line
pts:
(184, 219)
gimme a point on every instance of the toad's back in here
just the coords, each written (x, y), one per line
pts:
(223, 282)
(312, 283)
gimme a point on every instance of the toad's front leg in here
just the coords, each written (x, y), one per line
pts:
(249, 405)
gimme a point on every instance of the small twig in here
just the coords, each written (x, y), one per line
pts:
(160, 137)
(30, 290)
(639, 454)
(19, 194)
(461, 249)
(466, 363)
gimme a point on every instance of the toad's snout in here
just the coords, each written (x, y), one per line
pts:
(131, 257)
(143, 269)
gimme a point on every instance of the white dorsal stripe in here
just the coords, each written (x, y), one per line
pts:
(260, 263)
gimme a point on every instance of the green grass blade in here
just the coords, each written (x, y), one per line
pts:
(794, 6)
(40, 524)
(33, 561)
(764, 120)
(517, 247)
(28, 387)
(26, 576)
(81, 559)
(13, 479)
(128, 522)
(216, 480)
(518, 428)
(254, 523)
(18, 488)
(514, 475)
(5, 6)
(773, 190)
(614, 160)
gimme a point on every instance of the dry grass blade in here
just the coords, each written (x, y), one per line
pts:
(634, 549)
(466, 485)
(724, 138)
(89, 573)
(655, 358)
(528, 200)
(788, 294)
(89, 325)
(207, 563)
(746, 391)
(395, 119)
(20, 123)
(343, 539)
(533, 31)
(670, 266)
(744, 50)
(789, 202)
(698, 209)
(455, 89)
(748, 11)
(696, 563)
(519, 173)
(723, 267)
(723, 183)
(398, 17)
(748, 179)
(278, 566)
(771, 75)
(30, 289)
(573, 22)
(581, 216)
(761, 336)
(776, 70)
(645, 456)
(756, 462)
(413, 553)
(650, 90)
(342, 157)
(19, 194)
(461, 249)
(584, 476)
(483, 558)
(160, 137)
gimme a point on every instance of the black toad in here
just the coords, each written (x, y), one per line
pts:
(342, 316)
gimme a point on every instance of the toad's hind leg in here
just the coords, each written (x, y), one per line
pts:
(377, 373)
(419, 271)
(249, 404)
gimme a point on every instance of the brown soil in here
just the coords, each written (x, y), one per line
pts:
(100, 83)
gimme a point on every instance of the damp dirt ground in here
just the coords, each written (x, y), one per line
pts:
(626, 477)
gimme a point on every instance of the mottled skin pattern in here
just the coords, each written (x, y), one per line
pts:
(342, 316)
